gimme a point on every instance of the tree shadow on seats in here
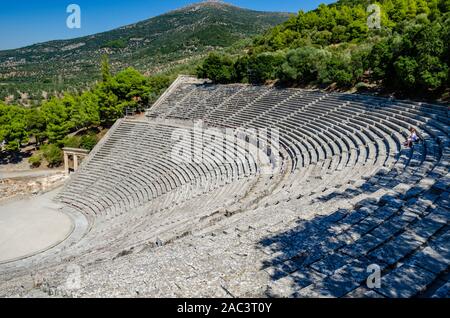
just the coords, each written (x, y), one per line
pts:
(315, 257)
(299, 248)
(329, 256)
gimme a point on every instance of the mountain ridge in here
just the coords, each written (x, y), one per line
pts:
(210, 3)
(148, 45)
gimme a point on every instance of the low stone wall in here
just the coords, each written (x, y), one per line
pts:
(12, 188)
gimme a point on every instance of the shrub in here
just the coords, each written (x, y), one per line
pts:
(72, 142)
(35, 160)
(338, 70)
(303, 65)
(264, 66)
(218, 68)
(88, 142)
(361, 86)
(53, 154)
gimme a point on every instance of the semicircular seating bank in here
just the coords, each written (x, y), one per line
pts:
(348, 196)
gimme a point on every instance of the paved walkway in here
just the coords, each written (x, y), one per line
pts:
(30, 226)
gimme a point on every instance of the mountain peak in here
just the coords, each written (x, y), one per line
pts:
(207, 3)
(212, 3)
(151, 46)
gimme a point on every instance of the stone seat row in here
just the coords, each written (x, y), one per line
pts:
(143, 172)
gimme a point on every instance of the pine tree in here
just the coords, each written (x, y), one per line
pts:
(422, 7)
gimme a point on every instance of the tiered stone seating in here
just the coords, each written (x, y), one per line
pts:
(181, 92)
(351, 140)
(349, 196)
(137, 165)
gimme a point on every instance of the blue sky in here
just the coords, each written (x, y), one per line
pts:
(25, 22)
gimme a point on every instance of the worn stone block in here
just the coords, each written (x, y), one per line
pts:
(387, 230)
(432, 260)
(330, 263)
(396, 249)
(405, 281)
(425, 228)
(362, 246)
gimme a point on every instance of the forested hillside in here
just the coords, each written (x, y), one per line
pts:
(333, 46)
(52, 125)
(70, 99)
(30, 74)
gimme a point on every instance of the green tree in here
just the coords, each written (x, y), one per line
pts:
(36, 125)
(303, 65)
(58, 123)
(127, 89)
(13, 126)
(264, 66)
(381, 59)
(108, 105)
(83, 110)
(406, 68)
(338, 70)
(400, 11)
(357, 29)
(412, 9)
(218, 68)
(130, 85)
(158, 84)
(422, 7)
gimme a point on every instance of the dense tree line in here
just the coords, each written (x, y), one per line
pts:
(334, 45)
(54, 120)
